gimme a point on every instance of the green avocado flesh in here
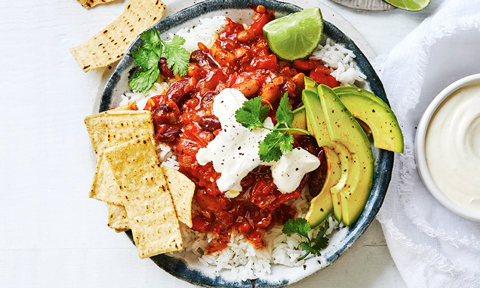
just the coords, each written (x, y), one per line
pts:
(345, 130)
(299, 120)
(351, 89)
(321, 205)
(348, 154)
(379, 118)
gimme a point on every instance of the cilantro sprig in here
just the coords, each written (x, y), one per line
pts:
(302, 227)
(147, 56)
(278, 142)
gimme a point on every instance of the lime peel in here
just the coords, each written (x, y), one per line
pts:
(409, 5)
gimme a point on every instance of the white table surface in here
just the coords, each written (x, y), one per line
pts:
(53, 234)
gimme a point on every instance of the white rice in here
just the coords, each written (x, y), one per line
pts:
(167, 157)
(142, 98)
(340, 61)
(240, 257)
(205, 32)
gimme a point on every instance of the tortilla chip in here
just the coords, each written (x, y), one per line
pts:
(92, 3)
(117, 218)
(108, 129)
(117, 126)
(110, 44)
(123, 126)
(104, 187)
(97, 131)
(149, 205)
(182, 190)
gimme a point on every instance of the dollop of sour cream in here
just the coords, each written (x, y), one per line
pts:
(234, 151)
(452, 147)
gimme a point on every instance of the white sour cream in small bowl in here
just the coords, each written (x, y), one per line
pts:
(448, 147)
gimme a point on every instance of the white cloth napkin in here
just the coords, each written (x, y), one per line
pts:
(431, 246)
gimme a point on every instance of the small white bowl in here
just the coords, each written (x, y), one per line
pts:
(420, 149)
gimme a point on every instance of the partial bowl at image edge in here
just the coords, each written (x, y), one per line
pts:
(420, 140)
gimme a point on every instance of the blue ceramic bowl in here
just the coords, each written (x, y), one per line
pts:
(341, 240)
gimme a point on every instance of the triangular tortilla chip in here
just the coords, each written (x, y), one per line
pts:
(117, 218)
(96, 129)
(104, 186)
(108, 129)
(149, 205)
(110, 44)
(182, 190)
(92, 3)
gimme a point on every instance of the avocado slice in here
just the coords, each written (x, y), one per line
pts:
(317, 126)
(316, 122)
(345, 131)
(351, 89)
(299, 120)
(380, 119)
(343, 156)
(376, 117)
(321, 205)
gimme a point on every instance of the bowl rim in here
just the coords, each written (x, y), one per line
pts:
(420, 157)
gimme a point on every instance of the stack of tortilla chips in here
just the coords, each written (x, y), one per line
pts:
(137, 189)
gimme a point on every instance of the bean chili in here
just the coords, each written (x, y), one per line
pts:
(183, 118)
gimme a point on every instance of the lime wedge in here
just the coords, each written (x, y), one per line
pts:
(295, 36)
(409, 5)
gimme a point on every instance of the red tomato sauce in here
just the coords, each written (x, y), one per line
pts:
(183, 118)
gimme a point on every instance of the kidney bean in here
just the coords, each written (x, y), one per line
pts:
(203, 59)
(177, 92)
(164, 70)
(166, 114)
(210, 123)
(166, 133)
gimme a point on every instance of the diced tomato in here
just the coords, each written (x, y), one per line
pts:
(200, 224)
(320, 76)
(304, 65)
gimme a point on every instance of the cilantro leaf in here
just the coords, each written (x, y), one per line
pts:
(177, 56)
(320, 244)
(302, 227)
(284, 113)
(298, 225)
(252, 114)
(269, 149)
(286, 144)
(321, 241)
(305, 246)
(145, 58)
(275, 145)
(142, 80)
(177, 41)
(151, 40)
